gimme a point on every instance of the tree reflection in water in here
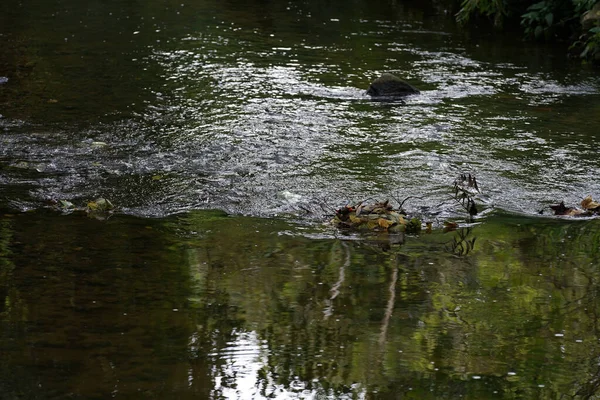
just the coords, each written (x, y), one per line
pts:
(208, 305)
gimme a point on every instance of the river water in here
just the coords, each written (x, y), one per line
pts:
(172, 110)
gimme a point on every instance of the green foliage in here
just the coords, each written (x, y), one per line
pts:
(588, 45)
(581, 6)
(592, 45)
(541, 20)
(493, 9)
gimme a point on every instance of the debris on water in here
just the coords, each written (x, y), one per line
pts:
(21, 165)
(377, 217)
(383, 217)
(98, 145)
(100, 208)
(589, 207)
(65, 205)
(465, 189)
(589, 204)
(450, 226)
(26, 165)
(100, 205)
(561, 209)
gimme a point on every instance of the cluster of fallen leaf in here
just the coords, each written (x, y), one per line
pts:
(378, 217)
(382, 217)
(589, 207)
(100, 208)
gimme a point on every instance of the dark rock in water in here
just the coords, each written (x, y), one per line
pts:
(389, 85)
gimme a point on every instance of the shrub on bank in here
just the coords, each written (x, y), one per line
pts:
(577, 21)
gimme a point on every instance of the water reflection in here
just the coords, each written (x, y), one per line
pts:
(208, 305)
(259, 109)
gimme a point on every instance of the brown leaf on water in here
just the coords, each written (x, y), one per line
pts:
(372, 225)
(589, 204)
(384, 223)
(397, 218)
(450, 226)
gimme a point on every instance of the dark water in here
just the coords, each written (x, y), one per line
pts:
(174, 109)
(204, 305)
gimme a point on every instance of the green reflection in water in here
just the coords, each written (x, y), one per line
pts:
(203, 304)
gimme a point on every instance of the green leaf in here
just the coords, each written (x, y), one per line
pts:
(65, 204)
(100, 205)
(549, 19)
(537, 6)
(529, 15)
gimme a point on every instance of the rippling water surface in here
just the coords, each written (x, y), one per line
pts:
(261, 110)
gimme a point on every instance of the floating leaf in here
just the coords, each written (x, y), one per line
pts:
(380, 216)
(98, 145)
(355, 220)
(397, 218)
(100, 208)
(65, 205)
(450, 226)
(384, 223)
(372, 225)
(589, 204)
(104, 204)
(21, 164)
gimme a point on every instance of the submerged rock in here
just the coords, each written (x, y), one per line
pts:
(389, 85)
